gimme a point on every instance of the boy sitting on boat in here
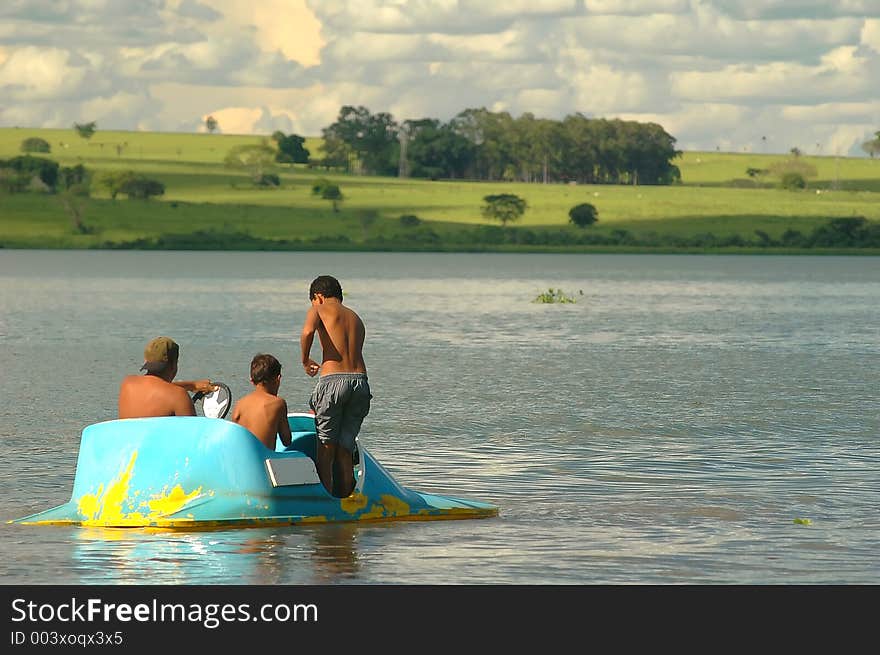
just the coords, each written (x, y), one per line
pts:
(262, 411)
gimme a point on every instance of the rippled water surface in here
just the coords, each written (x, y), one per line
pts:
(666, 428)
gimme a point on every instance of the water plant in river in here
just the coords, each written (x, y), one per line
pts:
(552, 295)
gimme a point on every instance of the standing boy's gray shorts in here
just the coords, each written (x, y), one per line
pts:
(340, 401)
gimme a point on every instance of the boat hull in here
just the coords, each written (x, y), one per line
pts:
(198, 472)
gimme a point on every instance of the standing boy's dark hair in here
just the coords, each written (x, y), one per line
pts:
(326, 285)
(264, 368)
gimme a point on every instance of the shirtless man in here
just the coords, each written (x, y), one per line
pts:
(155, 393)
(341, 398)
(262, 411)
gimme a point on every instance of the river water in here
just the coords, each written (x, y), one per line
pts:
(688, 420)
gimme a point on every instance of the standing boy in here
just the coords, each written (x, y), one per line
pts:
(262, 411)
(341, 398)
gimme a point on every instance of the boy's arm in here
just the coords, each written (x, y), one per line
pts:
(284, 426)
(310, 325)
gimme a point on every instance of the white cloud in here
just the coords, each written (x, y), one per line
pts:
(501, 46)
(31, 73)
(600, 90)
(706, 35)
(712, 72)
(285, 26)
(118, 109)
(847, 139)
(542, 102)
(434, 16)
(835, 112)
(360, 48)
(515, 9)
(840, 75)
(786, 9)
(704, 122)
(250, 120)
(637, 6)
(871, 35)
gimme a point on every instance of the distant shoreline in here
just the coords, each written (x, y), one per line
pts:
(561, 250)
(727, 203)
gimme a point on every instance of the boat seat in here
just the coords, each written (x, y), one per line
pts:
(304, 442)
(304, 438)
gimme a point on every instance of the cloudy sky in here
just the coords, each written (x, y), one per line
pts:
(714, 73)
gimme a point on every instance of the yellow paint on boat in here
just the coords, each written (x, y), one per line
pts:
(179, 523)
(105, 507)
(388, 506)
(394, 506)
(171, 502)
(354, 503)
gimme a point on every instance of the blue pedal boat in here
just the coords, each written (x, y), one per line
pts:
(199, 472)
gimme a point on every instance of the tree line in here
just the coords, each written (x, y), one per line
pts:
(479, 144)
(72, 185)
(837, 233)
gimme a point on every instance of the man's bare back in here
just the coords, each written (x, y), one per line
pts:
(157, 393)
(148, 395)
(265, 415)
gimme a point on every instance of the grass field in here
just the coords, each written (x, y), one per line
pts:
(203, 195)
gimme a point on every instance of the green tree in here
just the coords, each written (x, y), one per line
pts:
(579, 149)
(409, 220)
(793, 165)
(257, 159)
(492, 135)
(74, 176)
(74, 188)
(85, 130)
(113, 181)
(290, 148)
(504, 207)
(333, 193)
(35, 144)
(12, 181)
(872, 147)
(211, 124)
(362, 141)
(850, 231)
(268, 180)
(583, 214)
(792, 181)
(142, 188)
(27, 167)
(75, 201)
(435, 150)
(319, 185)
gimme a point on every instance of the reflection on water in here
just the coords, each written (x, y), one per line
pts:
(324, 554)
(334, 553)
(668, 427)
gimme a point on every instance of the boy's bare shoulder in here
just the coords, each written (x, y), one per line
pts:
(278, 401)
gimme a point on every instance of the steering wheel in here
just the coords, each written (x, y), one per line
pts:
(214, 404)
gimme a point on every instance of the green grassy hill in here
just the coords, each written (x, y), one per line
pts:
(203, 196)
